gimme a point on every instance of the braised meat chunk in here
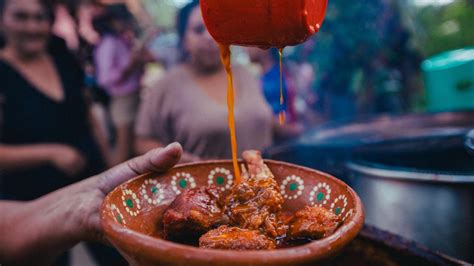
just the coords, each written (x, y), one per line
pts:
(314, 223)
(192, 213)
(248, 217)
(235, 238)
(256, 201)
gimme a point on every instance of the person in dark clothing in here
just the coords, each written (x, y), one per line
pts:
(47, 136)
(46, 139)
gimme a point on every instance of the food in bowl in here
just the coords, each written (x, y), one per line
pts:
(132, 216)
(248, 217)
(236, 238)
(192, 213)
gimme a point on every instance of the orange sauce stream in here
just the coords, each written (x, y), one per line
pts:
(226, 61)
(282, 114)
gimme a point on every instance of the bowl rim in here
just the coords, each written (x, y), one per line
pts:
(122, 237)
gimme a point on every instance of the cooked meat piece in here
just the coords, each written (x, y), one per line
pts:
(313, 222)
(192, 213)
(235, 238)
(285, 217)
(255, 202)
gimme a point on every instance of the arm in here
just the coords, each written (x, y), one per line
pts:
(31, 233)
(135, 64)
(140, 56)
(25, 156)
(13, 157)
(65, 158)
(36, 232)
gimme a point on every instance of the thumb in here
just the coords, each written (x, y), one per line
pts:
(157, 160)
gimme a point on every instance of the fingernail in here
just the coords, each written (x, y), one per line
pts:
(175, 146)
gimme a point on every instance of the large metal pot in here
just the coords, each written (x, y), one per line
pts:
(412, 172)
(330, 146)
(469, 144)
(422, 195)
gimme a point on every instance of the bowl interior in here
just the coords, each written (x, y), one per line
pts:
(138, 205)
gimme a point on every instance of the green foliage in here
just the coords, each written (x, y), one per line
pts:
(442, 28)
(163, 12)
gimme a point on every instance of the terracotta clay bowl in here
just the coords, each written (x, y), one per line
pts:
(131, 215)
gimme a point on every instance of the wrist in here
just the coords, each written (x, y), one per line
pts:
(55, 224)
(38, 233)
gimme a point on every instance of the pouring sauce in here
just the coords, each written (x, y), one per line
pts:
(226, 61)
(234, 22)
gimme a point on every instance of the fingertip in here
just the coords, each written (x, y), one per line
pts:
(174, 149)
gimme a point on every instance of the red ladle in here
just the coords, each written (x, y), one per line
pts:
(263, 23)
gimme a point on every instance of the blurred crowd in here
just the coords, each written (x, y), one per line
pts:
(86, 86)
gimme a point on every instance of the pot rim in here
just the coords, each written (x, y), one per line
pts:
(124, 239)
(364, 121)
(400, 173)
(469, 142)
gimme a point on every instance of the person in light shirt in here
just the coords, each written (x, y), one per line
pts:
(119, 68)
(189, 104)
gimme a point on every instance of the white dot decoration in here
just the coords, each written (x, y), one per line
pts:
(131, 202)
(115, 212)
(221, 177)
(348, 214)
(341, 203)
(292, 187)
(181, 181)
(152, 191)
(320, 194)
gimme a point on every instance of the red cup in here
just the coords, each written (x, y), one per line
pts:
(263, 23)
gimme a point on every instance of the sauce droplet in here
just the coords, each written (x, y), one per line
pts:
(282, 117)
(282, 114)
(226, 61)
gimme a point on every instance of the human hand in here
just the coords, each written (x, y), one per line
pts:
(141, 53)
(40, 230)
(66, 159)
(89, 200)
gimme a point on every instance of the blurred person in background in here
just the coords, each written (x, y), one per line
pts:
(45, 132)
(189, 104)
(47, 135)
(269, 62)
(119, 67)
